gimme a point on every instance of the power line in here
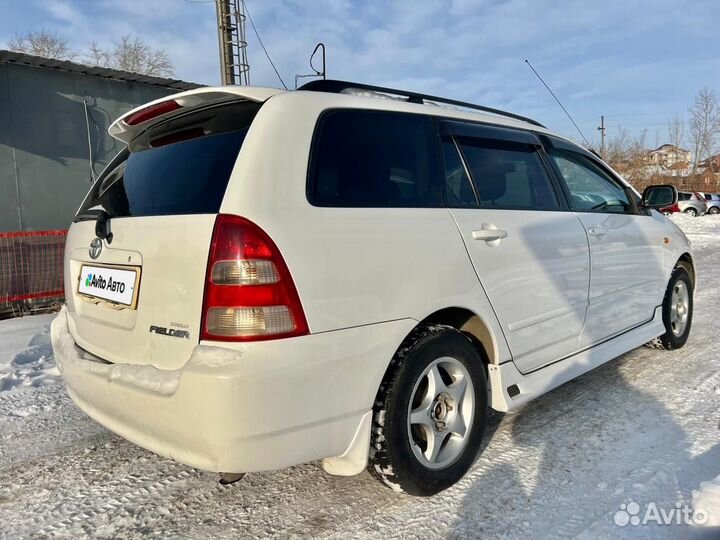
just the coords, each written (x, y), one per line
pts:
(252, 23)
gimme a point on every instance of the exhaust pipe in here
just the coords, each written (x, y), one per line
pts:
(230, 478)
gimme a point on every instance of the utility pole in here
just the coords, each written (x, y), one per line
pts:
(601, 129)
(234, 66)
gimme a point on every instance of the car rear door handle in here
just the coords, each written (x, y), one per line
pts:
(597, 231)
(489, 234)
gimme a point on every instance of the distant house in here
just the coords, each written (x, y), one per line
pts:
(679, 168)
(668, 155)
(712, 163)
(669, 164)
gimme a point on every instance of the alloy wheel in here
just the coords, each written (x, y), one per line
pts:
(441, 413)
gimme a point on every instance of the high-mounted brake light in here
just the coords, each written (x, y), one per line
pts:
(148, 113)
(249, 292)
(178, 136)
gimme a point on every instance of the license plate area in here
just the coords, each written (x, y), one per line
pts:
(117, 285)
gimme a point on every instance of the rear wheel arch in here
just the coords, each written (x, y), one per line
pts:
(472, 326)
(464, 320)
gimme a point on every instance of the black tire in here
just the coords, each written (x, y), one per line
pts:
(714, 210)
(392, 460)
(670, 340)
(691, 212)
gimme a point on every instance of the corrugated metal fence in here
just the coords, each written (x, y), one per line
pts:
(31, 271)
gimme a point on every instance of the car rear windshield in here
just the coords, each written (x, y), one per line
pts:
(187, 177)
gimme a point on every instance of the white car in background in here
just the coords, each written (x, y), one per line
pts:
(354, 274)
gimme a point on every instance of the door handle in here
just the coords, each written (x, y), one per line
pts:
(489, 234)
(597, 231)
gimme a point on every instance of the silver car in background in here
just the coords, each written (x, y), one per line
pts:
(692, 203)
(713, 203)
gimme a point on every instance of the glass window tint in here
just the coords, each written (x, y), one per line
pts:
(508, 175)
(591, 188)
(375, 159)
(188, 177)
(458, 190)
(684, 196)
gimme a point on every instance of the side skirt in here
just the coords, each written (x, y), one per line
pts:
(543, 380)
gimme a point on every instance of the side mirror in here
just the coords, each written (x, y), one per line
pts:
(659, 196)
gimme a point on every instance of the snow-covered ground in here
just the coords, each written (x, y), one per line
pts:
(26, 356)
(586, 461)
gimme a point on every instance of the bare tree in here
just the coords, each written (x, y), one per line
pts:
(704, 125)
(128, 54)
(676, 131)
(132, 54)
(42, 43)
(96, 55)
(627, 154)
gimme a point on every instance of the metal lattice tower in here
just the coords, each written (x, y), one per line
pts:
(234, 65)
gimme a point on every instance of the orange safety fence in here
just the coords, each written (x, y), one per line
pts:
(31, 266)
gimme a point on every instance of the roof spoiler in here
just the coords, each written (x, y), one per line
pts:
(134, 122)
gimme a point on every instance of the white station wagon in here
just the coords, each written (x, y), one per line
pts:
(354, 274)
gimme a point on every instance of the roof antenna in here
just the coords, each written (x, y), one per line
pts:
(317, 73)
(558, 102)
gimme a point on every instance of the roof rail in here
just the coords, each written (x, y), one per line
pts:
(337, 87)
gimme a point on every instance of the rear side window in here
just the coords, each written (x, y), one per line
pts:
(508, 175)
(683, 196)
(375, 159)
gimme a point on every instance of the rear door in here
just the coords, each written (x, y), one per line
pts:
(136, 296)
(530, 253)
(626, 245)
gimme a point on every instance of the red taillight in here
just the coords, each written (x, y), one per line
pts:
(143, 115)
(178, 136)
(249, 293)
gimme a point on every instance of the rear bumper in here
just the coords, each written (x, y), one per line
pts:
(251, 407)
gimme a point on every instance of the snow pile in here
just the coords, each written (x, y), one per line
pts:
(26, 356)
(707, 500)
(164, 382)
(213, 357)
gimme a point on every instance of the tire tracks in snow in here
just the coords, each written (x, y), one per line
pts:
(87, 501)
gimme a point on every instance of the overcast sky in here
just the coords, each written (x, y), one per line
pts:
(638, 63)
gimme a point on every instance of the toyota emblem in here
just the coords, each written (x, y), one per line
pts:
(95, 248)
